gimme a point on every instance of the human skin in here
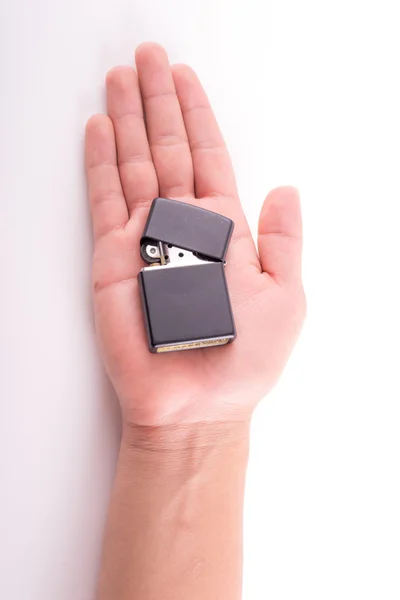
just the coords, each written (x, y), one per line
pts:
(175, 517)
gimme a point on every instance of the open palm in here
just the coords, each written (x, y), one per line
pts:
(160, 138)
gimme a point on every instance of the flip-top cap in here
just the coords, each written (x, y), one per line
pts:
(188, 227)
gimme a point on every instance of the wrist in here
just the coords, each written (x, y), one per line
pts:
(180, 438)
(184, 450)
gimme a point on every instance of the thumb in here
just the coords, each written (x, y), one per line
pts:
(280, 235)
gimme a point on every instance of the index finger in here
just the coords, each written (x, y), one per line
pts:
(213, 172)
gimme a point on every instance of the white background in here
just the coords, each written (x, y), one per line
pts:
(306, 93)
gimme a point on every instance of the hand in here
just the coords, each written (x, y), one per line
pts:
(172, 147)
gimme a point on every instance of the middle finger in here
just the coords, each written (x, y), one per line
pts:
(165, 126)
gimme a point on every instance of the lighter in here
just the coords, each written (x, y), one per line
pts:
(184, 292)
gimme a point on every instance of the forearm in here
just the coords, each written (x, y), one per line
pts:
(174, 528)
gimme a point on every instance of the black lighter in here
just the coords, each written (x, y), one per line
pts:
(184, 292)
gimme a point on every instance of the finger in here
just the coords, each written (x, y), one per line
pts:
(213, 173)
(213, 170)
(106, 198)
(280, 235)
(137, 172)
(165, 128)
